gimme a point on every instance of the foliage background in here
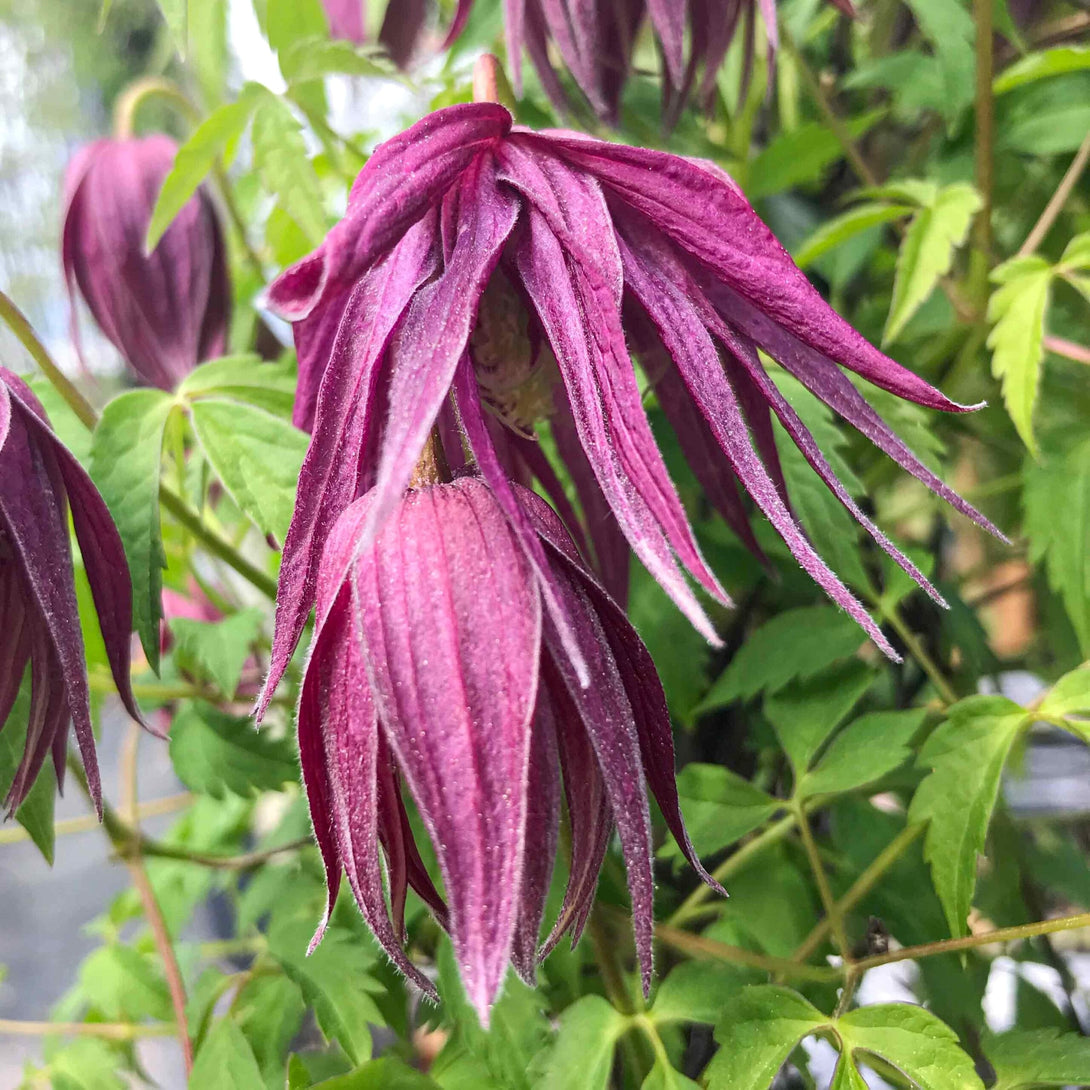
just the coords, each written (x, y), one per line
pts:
(925, 165)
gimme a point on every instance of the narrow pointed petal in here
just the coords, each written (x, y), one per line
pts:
(406, 176)
(432, 338)
(694, 353)
(480, 443)
(584, 331)
(345, 421)
(402, 29)
(452, 652)
(538, 466)
(668, 19)
(14, 638)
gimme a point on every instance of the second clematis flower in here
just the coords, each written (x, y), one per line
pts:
(434, 662)
(166, 311)
(516, 270)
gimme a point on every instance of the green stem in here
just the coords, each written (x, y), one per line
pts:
(919, 653)
(984, 148)
(245, 861)
(861, 887)
(693, 905)
(17, 323)
(110, 1031)
(134, 96)
(832, 909)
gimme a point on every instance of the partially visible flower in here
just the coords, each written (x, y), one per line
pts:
(403, 28)
(40, 481)
(434, 661)
(167, 311)
(596, 40)
(604, 248)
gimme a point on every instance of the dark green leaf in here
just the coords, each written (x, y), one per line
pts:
(950, 30)
(966, 756)
(226, 1061)
(1028, 1058)
(1049, 62)
(215, 753)
(797, 643)
(125, 455)
(256, 455)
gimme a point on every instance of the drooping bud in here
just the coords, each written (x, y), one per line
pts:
(166, 311)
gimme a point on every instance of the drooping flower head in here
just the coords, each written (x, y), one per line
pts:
(465, 234)
(167, 311)
(40, 482)
(435, 664)
(404, 25)
(596, 40)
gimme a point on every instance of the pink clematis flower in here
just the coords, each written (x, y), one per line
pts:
(434, 661)
(40, 481)
(493, 262)
(167, 311)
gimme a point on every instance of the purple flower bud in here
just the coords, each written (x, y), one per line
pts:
(167, 311)
(606, 248)
(435, 663)
(39, 481)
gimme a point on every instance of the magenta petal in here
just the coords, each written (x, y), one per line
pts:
(480, 443)
(14, 635)
(451, 622)
(406, 176)
(345, 421)
(584, 331)
(668, 19)
(538, 467)
(432, 338)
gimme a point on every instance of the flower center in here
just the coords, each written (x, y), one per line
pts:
(516, 382)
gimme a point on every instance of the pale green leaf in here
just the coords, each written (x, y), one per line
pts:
(1044, 1057)
(846, 226)
(1069, 696)
(315, 58)
(290, 21)
(1056, 497)
(913, 1040)
(663, 1077)
(246, 378)
(695, 991)
(847, 1077)
(582, 1054)
(864, 751)
(1017, 310)
(126, 451)
(256, 455)
(386, 1073)
(226, 1061)
(927, 252)
(280, 156)
(124, 984)
(218, 648)
(1076, 253)
(215, 136)
(950, 30)
(807, 712)
(1042, 65)
(797, 643)
(213, 754)
(965, 756)
(719, 807)
(757, 1031)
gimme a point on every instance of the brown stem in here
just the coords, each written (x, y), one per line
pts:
(984, 146)
(432, 467)
(832, 909)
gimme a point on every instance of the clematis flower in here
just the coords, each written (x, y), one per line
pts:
(465, 235)
(404, 25)
(435, 664)
(167, 311)
(596, 40)
(40, 481)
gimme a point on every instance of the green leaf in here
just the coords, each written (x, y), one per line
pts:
(126, 451)
(582, 1055)
(280, 156)
(245, 378)
(695, 991)
(386, 1073)
(1044, 1057)
(226, 1061)
(1056, 495)
(337, 980)
(719, 807)
(951, 31)
(314, 58)
(256, 455)
(927, 252)
(36, 812)
(1049, 62)
(913, 1040)
(1069, 696)
(1017, 308)
(213, 754)
(758, 1030)
(965, 756)
(218, 648)
(289, 21)
(216, 136)
(663, 1077)
(846, 226)
(85, 1064)
(864, 751)
(807, 712)
(797, 643)
(123, 984)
